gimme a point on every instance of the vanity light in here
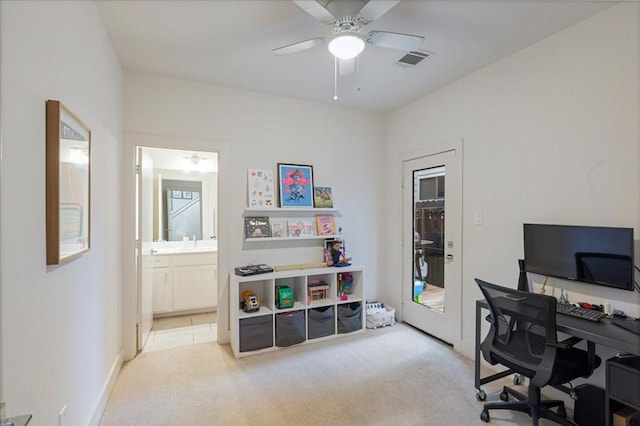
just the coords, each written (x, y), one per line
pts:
(346, 46)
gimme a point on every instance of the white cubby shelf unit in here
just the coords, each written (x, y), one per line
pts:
(310, 319)
(283, 213)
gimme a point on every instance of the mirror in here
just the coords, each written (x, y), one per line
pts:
(68, 185)
(185, 194)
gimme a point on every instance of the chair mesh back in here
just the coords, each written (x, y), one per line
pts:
(522, 321)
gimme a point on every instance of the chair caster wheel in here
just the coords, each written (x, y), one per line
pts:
(484, 416)
(481, 395)
(518, 379)
(504, 396)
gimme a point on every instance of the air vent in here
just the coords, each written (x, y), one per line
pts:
(413, 58)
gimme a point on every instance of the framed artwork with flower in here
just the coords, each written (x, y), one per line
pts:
(295, 183)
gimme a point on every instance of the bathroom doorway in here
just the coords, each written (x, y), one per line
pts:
(176, 247)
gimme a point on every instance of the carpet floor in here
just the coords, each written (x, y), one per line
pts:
(388, 376)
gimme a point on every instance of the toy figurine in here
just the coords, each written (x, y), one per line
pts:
(337, 258)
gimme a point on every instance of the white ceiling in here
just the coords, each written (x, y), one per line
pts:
(229, 43)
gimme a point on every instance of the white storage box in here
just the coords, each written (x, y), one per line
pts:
(379, 315)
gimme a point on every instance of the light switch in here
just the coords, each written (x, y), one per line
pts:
(477, 217)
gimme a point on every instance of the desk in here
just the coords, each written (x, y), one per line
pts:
(601, 333)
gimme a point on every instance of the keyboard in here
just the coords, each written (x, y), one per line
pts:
(580, 312)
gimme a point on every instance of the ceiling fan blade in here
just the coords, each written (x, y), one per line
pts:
(406, 42)
(297, 47)
(315, 9)
(346, 66)
(374, 9)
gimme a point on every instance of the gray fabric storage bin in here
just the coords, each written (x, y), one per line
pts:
(290, 328)
(349, 317)
(321, 322)
(256, 333)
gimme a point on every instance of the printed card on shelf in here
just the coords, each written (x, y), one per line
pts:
(322, 197)
(326, 224)
(278, 229)
(260, 189)
(302, 227)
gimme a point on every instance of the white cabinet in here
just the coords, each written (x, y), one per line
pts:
(184, 281)
(321, 309)
(281, 215)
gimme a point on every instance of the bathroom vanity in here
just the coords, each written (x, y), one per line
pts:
(184, 279)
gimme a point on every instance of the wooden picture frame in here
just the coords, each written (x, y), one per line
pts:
(68, 187)
(295, 185)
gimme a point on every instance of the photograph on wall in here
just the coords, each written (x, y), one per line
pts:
(295, 184)
(260, 189)
(257, 227)
(322, 197)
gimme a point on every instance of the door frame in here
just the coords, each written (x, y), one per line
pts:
(129, 202)
(452, 145)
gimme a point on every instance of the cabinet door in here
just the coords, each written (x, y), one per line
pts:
(194, 287)
(161, 290)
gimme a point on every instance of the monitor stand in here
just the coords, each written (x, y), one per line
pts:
(523, 282)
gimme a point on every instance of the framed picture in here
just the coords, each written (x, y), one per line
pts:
(260, 189)
(68, 184)
(295, 183)
(322, 197)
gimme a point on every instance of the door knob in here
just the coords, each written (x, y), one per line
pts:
(449, 257)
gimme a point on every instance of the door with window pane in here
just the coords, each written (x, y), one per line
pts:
(432, 197)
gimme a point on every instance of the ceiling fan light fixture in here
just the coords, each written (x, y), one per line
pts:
(346, 46)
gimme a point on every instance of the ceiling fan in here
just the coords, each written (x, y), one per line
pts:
(346, 18)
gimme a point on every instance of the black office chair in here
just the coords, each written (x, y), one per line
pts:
(523, 338)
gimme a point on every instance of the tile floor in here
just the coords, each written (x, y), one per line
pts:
(183, 330)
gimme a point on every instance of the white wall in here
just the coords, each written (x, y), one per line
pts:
(344, 146)
(551, 134)
(61, 325)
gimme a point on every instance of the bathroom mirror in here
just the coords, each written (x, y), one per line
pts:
(68, 142)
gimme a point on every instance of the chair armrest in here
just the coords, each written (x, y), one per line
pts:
(566, 344)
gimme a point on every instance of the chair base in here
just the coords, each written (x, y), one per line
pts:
(530, 404)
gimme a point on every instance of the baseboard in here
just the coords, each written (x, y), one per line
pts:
(106, 390)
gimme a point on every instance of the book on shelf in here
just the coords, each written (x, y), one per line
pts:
(326, 224)
(278, 229)
(302, 227)
(260, 188)
(257, 227)
(322, 197)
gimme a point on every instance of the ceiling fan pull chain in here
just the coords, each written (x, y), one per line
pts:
(335, 78)
(358, 73)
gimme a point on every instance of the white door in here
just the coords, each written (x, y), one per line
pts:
(432, 276)
(144, 237)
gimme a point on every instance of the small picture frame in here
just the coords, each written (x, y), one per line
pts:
(322, 197)
(295, 184)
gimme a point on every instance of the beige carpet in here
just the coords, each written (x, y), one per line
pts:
(389, 376)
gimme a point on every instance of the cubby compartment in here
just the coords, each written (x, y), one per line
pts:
(349, 317)
(298, 286)
(256, 333)
(349, 286)
(290, 328)
(272, 328)
(321, 322)
(321, 290)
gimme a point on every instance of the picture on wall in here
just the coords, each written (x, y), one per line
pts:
(295, 183)
(322, 197)
(260, 189)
